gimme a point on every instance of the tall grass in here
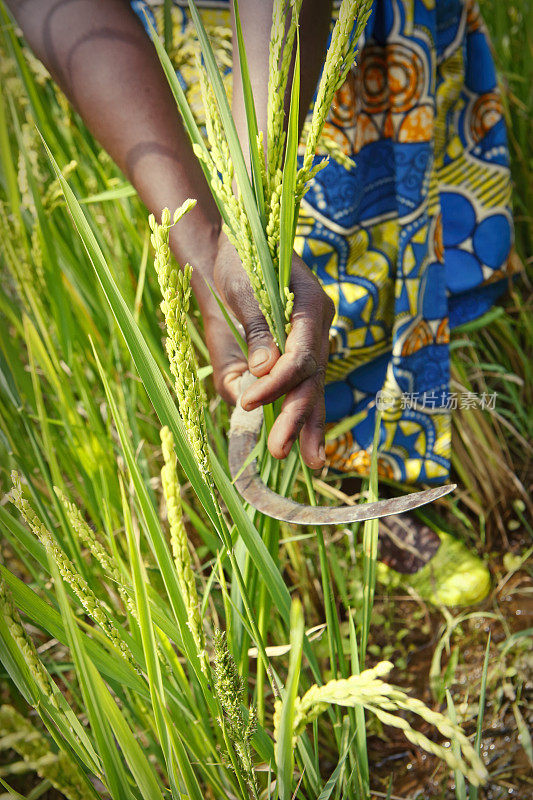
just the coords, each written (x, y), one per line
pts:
(157, 665)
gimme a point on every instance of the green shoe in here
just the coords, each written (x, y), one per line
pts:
(453, 577)
(446, 572)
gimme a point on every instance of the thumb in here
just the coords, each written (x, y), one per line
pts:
(262, 350)
(237, 293)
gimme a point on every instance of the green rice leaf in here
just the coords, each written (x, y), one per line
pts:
(141, 769)
(251, 118)
(473, 791)
(361, 751)
(235, 331)
(115, 774)
(284, 745)
(155, 682)
(370, 544)
(460, 785)
(289, 212)
(332, 781)
(116, 193)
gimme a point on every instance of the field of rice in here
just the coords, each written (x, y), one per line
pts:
(159, 637)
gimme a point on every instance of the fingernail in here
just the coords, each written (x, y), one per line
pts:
(287, 448)
(259, 357)
(322, 452)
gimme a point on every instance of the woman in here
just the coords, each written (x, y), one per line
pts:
(411, 242)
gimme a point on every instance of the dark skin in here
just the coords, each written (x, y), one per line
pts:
(100, 56)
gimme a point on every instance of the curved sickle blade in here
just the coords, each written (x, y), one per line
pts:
(245, 428)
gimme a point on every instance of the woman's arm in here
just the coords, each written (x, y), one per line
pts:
(99, 54)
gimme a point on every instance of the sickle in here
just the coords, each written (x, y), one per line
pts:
(245, 427)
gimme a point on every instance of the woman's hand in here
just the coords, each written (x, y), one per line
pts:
(298, 373)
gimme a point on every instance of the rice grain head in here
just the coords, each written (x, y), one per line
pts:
(180, 545)
(175, 285)
(90, 602)
(27, 648)
(229, 689)
(387, 702)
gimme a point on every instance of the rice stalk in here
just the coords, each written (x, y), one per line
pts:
(229, 689)
(92, 605)
(86, 535)
(353, 15)
(175, 287)
(59, 768)
(26, 646)
(387, 703)
(282, 35)
(180, 545)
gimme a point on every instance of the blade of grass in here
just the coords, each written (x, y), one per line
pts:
(141, 769)
(239, 339)
(361, 750)
(115, 774)
(460, 785)
(284, 748)
(167, 23)
(473, 791)
(370, 545)
(153, 669)
(251, 118)
(288, 211)
(333, 779)
(116, 193)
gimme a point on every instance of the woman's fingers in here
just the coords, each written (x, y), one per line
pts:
(306, 350)
(312, 445)
(299, 373)
(302, 414)
(288, 372)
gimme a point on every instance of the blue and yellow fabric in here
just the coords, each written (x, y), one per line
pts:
(414, 239)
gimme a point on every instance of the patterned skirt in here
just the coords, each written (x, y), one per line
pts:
(414, 238)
